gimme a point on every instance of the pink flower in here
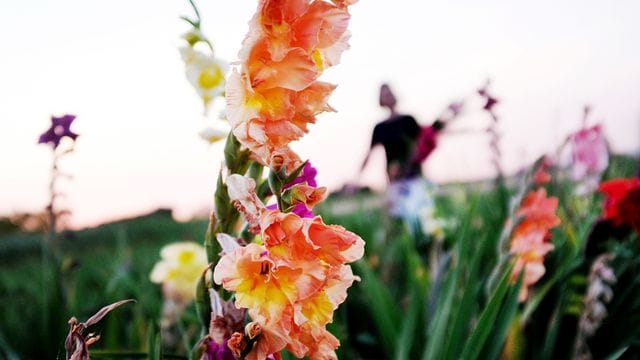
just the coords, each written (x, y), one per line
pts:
(589, 153)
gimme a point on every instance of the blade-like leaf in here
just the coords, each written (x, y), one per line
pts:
(405, 340)
(504, 320)
(487, 318)
(381, 306)
(104, 311)
(203, 303)
(154, 342)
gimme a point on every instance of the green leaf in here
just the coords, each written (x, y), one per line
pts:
(193, 23)
(154, 342)
(263, 190)
(211, 245)
(487, 318)
(381, 306)
(295, 173)
(465, 310)
(617, 354)
(504, 321)
(437, 330)
(237, 160)
(405, 340)
(202, 301)
(226, 213)
(255, 171)
(466, 306)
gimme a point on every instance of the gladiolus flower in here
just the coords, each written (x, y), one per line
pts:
(307, 175)
(275, 93)
(590, 154)
(214, 134)
(179, 270)
(307, 195)
(530, 239)
(204, 72)
(622, 202)
(299, 209)
(590, 157)
(258, 282)
(217, 351)
(541, 175)
(293, 283)
(60, 128)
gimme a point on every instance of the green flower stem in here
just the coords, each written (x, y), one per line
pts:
(197, 12)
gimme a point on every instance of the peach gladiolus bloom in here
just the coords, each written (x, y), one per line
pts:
(530, 239)
(293, 283)
(275, 93)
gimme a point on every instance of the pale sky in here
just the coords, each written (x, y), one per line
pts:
(115, 64)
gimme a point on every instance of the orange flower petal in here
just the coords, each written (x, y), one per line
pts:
(295, 71)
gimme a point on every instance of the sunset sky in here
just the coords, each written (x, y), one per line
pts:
(116, 65)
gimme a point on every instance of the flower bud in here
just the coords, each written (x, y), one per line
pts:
(276, 163)
(193, 36)
(253, 330)
(238, 344)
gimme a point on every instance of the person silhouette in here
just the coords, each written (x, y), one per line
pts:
(407, 145)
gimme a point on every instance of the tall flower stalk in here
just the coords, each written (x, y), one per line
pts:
(51, 290)
(494, 142)
(287, 269)
(60, 128)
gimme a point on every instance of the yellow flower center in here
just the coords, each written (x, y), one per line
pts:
(210, 77)
(186, 257)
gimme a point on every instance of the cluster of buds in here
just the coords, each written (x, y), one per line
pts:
(599, 294)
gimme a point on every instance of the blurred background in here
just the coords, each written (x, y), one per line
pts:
(141, 177)
(116, 66)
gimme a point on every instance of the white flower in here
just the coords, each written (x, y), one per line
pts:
(205, 72)
(212, 134)
(179, 270)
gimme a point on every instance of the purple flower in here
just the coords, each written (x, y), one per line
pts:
(491, 101)
(216, 351)
(60, 127)
(299, 209)
(308, 175)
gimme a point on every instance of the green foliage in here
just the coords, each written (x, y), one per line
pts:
(418, 298)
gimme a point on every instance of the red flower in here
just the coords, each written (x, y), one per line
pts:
(622, 202)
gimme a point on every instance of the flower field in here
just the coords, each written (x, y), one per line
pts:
(385, 316)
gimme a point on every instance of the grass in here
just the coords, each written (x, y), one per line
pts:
(404, 307)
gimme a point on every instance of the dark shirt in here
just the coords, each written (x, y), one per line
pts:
(398, 135)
